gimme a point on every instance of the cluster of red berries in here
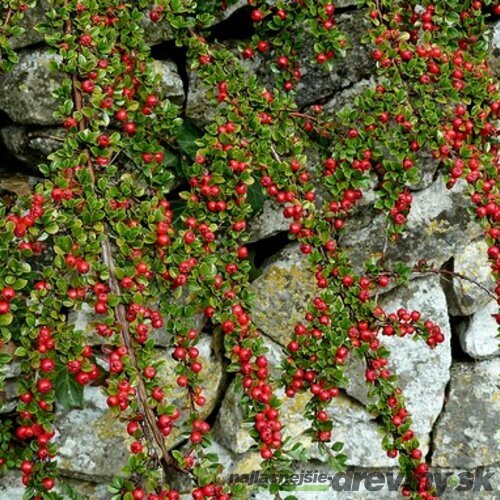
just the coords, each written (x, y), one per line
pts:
(6, 296)
(24, 222)
(85, 373)
(269, 428)
(125, 391)
(58, 194)
(401, 208)
(212, 491)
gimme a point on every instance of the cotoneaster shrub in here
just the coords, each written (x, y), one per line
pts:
(102, 231)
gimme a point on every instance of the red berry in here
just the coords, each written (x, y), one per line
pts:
(8, 293)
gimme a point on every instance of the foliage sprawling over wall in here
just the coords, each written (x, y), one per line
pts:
(106, 229)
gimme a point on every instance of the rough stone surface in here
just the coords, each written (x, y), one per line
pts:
(280, 302)
(31, 146)
(85, 320)
(423, 372)
(268, 223)
(478, 334)
(284, 290)
(101, 451)
(316, 83)
(439, 226)
(11, 487)
(198, 107)
(467, 435)
(363, 447)
(160, 31)
(32, 17)
(465, 297)
(26, 90)
(171, 83)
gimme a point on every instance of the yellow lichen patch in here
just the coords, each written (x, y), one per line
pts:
(437, 227)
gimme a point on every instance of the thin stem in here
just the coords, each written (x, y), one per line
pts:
(151, 430)
(453, 274)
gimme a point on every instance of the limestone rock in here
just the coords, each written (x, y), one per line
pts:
(345, 97)
(283, 291)
(439, 226)
(8, 397)
(199, 109)
(269, 222)
(352, 425)
(171, 84)
(93, 443)
(161, 31)
(27, 90)
(85, 320)
(281, 297)
(316, 83)
(466, 435)
(213, 379)
(423, 372)
(495, 37)
(465, 297)
(11, 487)
(155, 33)
(31, 146)
(32, 17)
(478, 334)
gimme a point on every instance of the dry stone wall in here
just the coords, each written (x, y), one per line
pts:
(452, 391)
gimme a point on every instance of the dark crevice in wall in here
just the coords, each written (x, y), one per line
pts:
(5, 120)
(430, 453)
(34, 46)
(7, 161)
(168, 51)
(456, 321)
(174, 194)
(237, 26)
(347, 8)
(266, 248)
(457, 353)
(325, 99)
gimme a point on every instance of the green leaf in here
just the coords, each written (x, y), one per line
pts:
(6, 319)
(255, 197)
(69, 393)
(337, 446)
(5, 358)
(186, 137)
(51, 228)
